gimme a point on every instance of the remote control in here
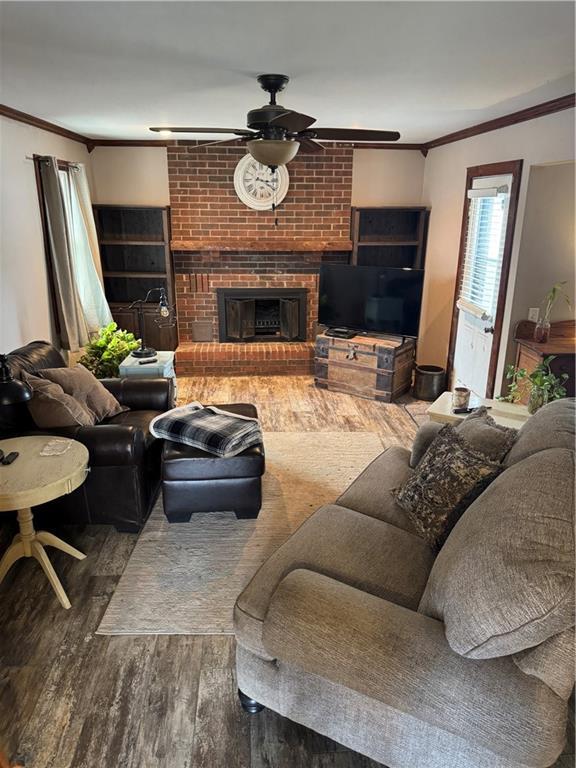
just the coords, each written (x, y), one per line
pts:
(10, 458)
(470, 410)
(148, 362)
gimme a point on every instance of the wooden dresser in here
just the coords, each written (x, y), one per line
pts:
(561, 344)
(378, 368)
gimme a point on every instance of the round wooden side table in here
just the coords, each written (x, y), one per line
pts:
(31, 480)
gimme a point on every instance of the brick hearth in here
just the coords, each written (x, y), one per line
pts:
(257, 359)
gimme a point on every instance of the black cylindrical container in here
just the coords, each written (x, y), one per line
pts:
(429, 382)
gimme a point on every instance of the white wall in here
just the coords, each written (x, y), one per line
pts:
(25, 312)
(547, 247)
(130, 175)
(139, 176)
(387, 177)
(544, 140)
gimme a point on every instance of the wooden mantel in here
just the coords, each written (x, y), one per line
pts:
(262, 245)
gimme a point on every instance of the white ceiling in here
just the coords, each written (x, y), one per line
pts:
(111, 69)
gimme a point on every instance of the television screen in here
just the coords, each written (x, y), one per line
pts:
(378, 299)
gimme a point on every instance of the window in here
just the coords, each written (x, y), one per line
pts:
(484, 251)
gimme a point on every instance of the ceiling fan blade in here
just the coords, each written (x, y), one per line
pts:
(229, 142)
(292, 121)
(309, 145)
(185, 129)
(354, 134)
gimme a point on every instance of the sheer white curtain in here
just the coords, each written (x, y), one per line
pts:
(80, 301)
(80, 181)
(84, 247)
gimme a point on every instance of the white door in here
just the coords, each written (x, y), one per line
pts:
(477, 295)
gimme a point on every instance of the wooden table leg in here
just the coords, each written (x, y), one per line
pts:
(49, 540)
(29, 543)
(27, 532)
(39, 553)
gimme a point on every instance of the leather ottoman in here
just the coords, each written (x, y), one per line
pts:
(196, 481)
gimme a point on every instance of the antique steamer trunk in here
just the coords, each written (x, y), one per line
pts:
(379, 368)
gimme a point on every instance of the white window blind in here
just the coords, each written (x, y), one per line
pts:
(484, 250)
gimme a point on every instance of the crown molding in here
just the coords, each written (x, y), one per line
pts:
(530, 113)
(133, 143)
(234, 142)
(37, 122)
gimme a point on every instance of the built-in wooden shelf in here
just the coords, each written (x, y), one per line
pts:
(384, 241)
(262, 245)
(131, 242)
(108, 273)
(135, 252)
(390, 236)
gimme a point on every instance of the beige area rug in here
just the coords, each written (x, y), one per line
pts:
(184, 578)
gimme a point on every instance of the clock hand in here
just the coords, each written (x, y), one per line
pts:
(268, 183)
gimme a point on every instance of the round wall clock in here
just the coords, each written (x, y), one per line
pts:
(256, 185)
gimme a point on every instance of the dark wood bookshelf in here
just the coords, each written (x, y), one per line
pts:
(148, 275)
(131, 242)
(390, 236)
(384, 241)
(135, 252)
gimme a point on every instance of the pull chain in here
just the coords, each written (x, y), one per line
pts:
(274, 198)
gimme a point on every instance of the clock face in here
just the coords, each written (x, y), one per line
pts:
(256, 185)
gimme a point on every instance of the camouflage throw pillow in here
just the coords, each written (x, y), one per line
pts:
(446, 481)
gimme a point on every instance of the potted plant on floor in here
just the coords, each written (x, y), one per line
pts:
(542, 385)
(542, 327)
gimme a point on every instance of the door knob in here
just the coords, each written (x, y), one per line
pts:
(489, 329)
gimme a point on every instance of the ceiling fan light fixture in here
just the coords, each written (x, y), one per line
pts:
(273, 152)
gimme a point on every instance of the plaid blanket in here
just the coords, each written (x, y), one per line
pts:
(208, 428)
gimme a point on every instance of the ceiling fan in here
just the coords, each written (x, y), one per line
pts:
(275, 134)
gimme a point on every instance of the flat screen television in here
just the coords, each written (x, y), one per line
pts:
(378, 299)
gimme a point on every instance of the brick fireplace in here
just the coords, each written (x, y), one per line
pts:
(199, 279)
(218, 244)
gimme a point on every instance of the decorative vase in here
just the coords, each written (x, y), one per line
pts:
(538, 398)
(542, 331)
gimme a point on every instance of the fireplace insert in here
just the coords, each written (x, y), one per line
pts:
(262, 314)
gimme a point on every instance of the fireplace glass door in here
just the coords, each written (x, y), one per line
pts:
(255, 319)
(289, 318)
(241, 319)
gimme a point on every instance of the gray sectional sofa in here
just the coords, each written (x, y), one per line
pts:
(356, 629)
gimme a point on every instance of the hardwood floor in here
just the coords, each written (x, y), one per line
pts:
(73, 699)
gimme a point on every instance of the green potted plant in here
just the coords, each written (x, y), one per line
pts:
(542, 328)
(516, 384)
(106, 351)
(542, 385)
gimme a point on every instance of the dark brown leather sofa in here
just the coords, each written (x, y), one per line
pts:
(124, 476)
